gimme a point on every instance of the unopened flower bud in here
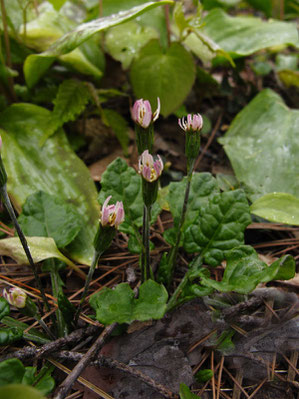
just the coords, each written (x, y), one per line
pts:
(193, 123)
(192, 126)
(15, 297)
(149, 168)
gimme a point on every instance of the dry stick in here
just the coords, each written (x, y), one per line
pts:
(86, 359)
(23, 240)
(219, 377)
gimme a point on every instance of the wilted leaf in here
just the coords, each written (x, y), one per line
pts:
(277, 207)
(219, 226)
(119, 305)
(169, 75)
(37, 64)
(244, 271)
(53, 168)
(262, 144)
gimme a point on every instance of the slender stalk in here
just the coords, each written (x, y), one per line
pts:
(93, 265)
(175, 249)
(146, 268)
(23, 240)
(45, 327)
(56, 289)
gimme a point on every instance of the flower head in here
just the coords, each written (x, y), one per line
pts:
(149, 169)
(112, 215)
(15, 297)
(142, 113)
(193, 123)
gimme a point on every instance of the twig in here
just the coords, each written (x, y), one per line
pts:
(86, 359)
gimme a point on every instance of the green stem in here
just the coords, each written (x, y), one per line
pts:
(175, 249)
(146, 243)
(56, 289)
(93, 265)
(23, 240)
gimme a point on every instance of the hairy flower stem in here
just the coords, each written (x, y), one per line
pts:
(23, 240)
(96, 257)
(172, 257)
(146, 268)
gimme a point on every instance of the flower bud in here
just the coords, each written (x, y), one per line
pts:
(112, 215)
(193, 123)
(192, 126)
(142, 113)
(15, 297)
(149, 169)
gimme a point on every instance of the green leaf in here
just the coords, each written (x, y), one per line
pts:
(277, 207)
(20, 391)
(43, 381)
(54, 168)
(57, 4)
(124, 42)
(204, 375)
(47, 216)
(10, 335)
(244, 271)
(124, 184)
(289, 62)
(119, 305)
(289, 78)
(168, 75)
(29, 375)
(120, 127)
(71, 99)
(37, 64)
(219, 227)
(11, 372)
(185, 393)
(41, 248)
(203, 186)
(31, 335)
(4, 308)
(245, 35)
(262, 144)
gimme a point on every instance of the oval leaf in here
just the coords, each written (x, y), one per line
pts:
(168, 75)
(11, 372)
(277, 207)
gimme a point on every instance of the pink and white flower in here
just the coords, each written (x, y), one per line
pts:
(112, 215)
(142, 113)
(15, 297)
(149, 168)
(193, 123)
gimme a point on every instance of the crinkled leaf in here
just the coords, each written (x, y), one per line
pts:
(124, 42)
(11, 372)
(20, 391)
(41, 248)
(169, 75)
(277, 207)
(124, 184)
(185, 393)
(119, 305)
(37, 64)
(53, 168)
(262, 144)
(244, 271)
(245, 35)
(4, 308)
(47, 216)
(203, 186)
(219, 226)
(10, 335)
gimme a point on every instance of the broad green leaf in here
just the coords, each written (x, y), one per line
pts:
(57, 4)
(53, 168)
(185, 393)
(124, 184)
(120, 127)
(41, 248)
(10, 335)
(119, 305)
(262, 144)
(11, 372)
(245, 35)
(4, 308)
(47, 216)
(277, 207)
(37, 64)
(168, 75)
(219, 226)
(20, 391)
(244, 271)
(44, 30)
(203, 186)
(124, 42)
